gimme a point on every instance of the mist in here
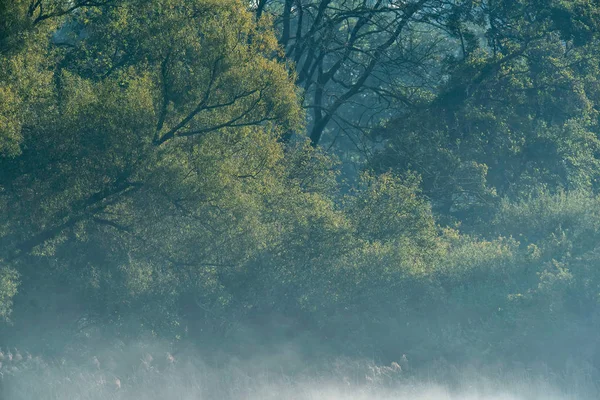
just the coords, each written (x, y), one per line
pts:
(194, 381)
(152, 370)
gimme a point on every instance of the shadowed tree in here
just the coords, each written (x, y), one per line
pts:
(519, 111)
(359, 60)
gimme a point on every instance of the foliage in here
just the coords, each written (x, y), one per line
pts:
(518, 111)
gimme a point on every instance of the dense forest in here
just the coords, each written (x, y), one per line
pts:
(412, 180)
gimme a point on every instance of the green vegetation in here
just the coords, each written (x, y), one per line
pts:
(163, 171)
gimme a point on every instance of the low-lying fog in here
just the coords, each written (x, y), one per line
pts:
(148, 373)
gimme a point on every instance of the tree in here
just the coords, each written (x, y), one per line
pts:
(518, 111)
(132, 110)
(358, 61)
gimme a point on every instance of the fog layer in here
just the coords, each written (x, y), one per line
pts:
(151, 372)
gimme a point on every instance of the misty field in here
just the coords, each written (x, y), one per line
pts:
(151, 373)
